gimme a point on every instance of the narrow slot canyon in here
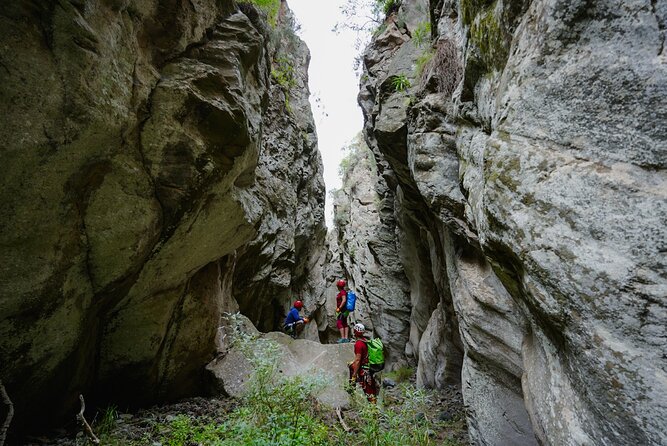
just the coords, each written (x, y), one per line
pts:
(501, 217)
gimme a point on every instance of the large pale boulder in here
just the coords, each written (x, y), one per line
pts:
(325, 364)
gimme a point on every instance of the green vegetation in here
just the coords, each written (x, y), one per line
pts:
(441, 67)
(400, 83)
(283, 73)
(270, 7)
(401, 374)
(486, 34)
(422, 34)
(388, 6)
(470, 9)
(278, 410)
(422, 61)
(108, 421)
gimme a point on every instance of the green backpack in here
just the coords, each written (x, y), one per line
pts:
(375, 354)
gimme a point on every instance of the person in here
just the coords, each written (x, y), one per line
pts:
(341, 312)
(359, 371)
(294, 323)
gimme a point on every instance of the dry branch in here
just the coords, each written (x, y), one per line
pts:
(86, 427)
(342, 422)
(10, 413)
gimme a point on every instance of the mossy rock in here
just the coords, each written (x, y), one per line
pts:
(487, 35)
(488, 40)
(470, 9)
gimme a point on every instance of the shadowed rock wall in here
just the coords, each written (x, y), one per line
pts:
(140, 169)
(528, 154)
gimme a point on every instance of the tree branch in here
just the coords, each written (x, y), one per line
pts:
(86, 427)
(342, 422)
(10, 413)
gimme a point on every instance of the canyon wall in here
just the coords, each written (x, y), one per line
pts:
(160, 168)
(521, 153)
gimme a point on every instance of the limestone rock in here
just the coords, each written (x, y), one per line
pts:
(297, 357)
(370, 256)
(142, 160)
(530, 158)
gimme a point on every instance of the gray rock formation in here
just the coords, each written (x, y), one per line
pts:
(528, 156)
(369, 255)
(284, 357)
(148, 156)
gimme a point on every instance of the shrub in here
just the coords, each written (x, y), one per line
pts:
(401, 374)
(422, 62)
(389, 6)
(270, 7)
(283, 73)
(400, 83)
(422, 34)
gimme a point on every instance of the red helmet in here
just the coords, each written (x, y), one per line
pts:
(298, 304)
(341, 283)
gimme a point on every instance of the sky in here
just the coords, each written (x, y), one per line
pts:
(333, 83)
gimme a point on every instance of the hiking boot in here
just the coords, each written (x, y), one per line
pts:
(345, 341)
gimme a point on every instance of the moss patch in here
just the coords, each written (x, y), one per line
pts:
(487, 35)
(470, 9)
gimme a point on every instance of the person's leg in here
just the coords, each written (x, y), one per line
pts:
(345, 332)
(369, 386)
(341, 328)
(298, 327)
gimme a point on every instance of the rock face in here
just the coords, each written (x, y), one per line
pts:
(525, 160)
(368, 253)
(149, 156)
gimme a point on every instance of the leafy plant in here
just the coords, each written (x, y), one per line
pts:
(400, 83)
(270, 7)
(388, 6)
(108, 420)
(401, 374)
(422, 34)
(283, 73)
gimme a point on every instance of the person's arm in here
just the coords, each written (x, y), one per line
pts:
(356, 364)
(343, 301)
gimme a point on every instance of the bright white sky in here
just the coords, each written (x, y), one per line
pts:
(333, 83)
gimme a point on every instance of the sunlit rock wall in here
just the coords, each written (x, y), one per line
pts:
(529, 151)
(141, 162)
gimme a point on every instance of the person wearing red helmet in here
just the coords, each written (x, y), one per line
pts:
(341, 311)
(294, 323)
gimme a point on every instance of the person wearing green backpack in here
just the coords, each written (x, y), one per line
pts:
(368, 359)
